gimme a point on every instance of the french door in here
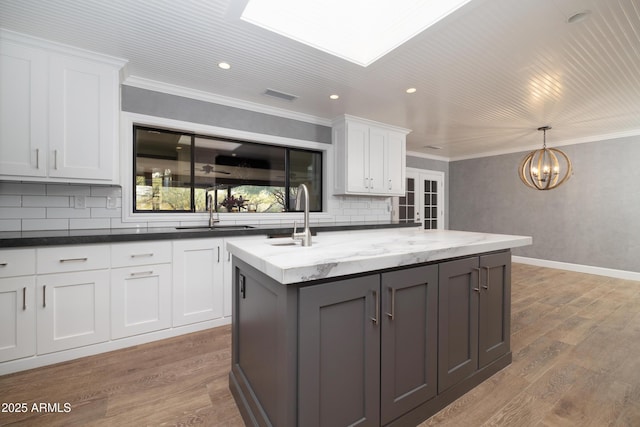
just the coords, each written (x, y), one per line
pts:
(423, 202)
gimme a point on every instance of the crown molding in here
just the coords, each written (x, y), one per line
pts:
(200, 95)
(428, 156)
(562, 143)
(66, 49)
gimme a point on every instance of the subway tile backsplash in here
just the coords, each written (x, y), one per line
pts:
(37, 206)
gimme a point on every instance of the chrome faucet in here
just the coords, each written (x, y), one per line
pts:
(209, 205)
(303, 236)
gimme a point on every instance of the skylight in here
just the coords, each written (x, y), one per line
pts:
(359, 31)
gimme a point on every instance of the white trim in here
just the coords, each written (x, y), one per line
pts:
(127, 120)
(576, 141)
(61, 48)
(427, 156)
(37, 361)
(200, 95)
(580, 268)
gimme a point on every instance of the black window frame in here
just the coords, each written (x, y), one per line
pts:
(192, 187)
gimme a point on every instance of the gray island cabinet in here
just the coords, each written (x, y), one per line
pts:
(389, 338)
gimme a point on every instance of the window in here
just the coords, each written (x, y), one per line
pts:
(173, 172)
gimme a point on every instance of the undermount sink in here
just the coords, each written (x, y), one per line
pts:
(284, 243)
(215, 227)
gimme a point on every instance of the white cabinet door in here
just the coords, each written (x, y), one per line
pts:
(72, 310)
(83, 104)
(197, 280)
(140, 299)
(378, 160)
(227, 282)
(357, 148)
(17, 318)
(23, 110)
(395, 165)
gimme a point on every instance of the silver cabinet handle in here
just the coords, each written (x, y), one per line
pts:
(24, 298)
(228, 256)
(74, 260)
(55, 159)
(366, 183)
(375, 319)
(3, 264)
(44, 296)
(478, 271)
(487, 285)
(37, 158)
(389, 184)
(141, 273)
(370, 182)
(391, 314)
(141, 255)
(218, 254)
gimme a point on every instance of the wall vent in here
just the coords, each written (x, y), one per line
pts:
(280, 95)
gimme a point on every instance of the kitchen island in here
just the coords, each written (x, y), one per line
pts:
(380, 327)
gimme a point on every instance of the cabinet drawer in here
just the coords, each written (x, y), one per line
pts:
(143, 253)
(17, 262)
(62, 259)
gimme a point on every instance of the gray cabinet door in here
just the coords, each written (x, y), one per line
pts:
(458, 301)
(409, 340)
(495, 307)
(339, 353)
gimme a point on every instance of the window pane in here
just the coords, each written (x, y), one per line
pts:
(242, 176)
(163, 170)
(305, 167)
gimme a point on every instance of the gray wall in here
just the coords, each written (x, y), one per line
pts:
(592, 219)
(142, 101)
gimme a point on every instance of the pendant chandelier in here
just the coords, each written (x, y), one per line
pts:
(545, 169)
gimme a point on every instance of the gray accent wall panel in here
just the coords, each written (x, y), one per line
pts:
(143, 101)
(593, 219)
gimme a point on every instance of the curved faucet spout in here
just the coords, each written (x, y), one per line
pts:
(304, 236)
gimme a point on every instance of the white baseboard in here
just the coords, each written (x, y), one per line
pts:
(580, 268)
(37, 361)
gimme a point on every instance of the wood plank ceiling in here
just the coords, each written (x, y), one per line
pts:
(487, 76)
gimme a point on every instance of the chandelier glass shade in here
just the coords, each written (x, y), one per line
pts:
(546, 168)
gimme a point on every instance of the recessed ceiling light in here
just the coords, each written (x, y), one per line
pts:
(224, 65)
(578, 17)
(361, 32)
(334, 96)
(412, 90)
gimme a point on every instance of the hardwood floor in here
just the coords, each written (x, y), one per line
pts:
(576, 362)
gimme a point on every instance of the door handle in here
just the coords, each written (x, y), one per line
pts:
(487, 285)
(477, 269)
(377, 308)
(392, 312)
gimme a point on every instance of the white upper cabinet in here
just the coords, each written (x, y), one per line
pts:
(58, 112)
(370, 157)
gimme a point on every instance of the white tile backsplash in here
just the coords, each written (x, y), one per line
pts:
(34, 206)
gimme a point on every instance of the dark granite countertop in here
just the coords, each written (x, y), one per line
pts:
(16, 239)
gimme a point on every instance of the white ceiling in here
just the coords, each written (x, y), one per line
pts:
(487, 76)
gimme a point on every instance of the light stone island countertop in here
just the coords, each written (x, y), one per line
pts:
(334, 254)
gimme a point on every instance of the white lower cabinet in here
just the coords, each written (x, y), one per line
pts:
(197, 280)
(17, 318)
(72, 310)
(140, 299)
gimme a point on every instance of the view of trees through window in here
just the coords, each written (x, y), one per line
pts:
(174, 171)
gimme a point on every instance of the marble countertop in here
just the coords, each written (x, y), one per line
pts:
(337, 254)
